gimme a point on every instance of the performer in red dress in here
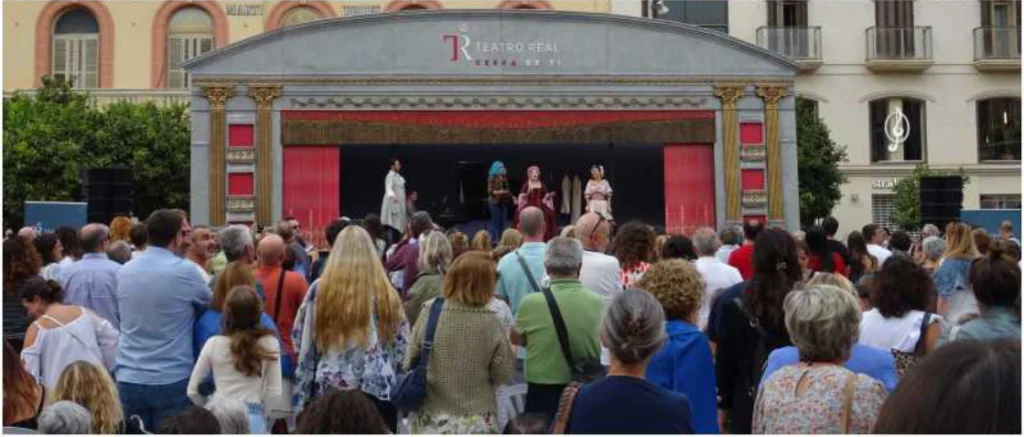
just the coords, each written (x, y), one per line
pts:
(534, 193)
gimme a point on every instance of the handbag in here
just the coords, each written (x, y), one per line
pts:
(564, 412)
(848, 388)
(905, 360)
(280, 406)
(411, 389)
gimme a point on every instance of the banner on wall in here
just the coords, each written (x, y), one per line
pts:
(48, 216)
(990, 219)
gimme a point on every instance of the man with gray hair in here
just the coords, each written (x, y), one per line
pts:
(65, 417)
(522, 270)
(120, 252)
(929, 230)
(731, 237)
(717, 274)
(237, 245)
(547, 371)
(92, 281)
(1006, 231)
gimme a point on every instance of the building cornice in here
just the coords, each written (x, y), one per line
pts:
(884, 170)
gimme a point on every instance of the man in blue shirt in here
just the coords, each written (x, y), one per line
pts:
(513, 282)
(92, 281)
(160, 294)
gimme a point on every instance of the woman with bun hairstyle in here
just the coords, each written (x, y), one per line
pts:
(62, 334)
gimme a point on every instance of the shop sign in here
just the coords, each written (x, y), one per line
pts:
(884, 184)
(520, 53)
(243, 10)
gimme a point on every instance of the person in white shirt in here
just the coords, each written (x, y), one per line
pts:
(875, 236)
(600, 272)
(900, 296)
(245, 359)
(717, 274)
(731, 238)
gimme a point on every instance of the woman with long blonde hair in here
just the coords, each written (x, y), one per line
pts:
(511, 239)
(351, 329)
(956, 297)
(90, 386)
(481, 241)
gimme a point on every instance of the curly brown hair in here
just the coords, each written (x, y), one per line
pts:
(342, 412)
(634, 244)
(120, 228)
(21, 261)
(901, 286)
(678, 287)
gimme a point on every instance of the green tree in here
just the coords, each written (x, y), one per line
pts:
(907, 196)
(818, 158)
(52, 136)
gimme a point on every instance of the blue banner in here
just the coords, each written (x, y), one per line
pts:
(47, 216)
(991, 218)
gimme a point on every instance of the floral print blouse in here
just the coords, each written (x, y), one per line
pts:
(630, 276)
(373, 369)
(818, 410)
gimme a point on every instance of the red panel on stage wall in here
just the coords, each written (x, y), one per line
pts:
(689, 187)
(751, 133)
(753, 179)
(240, 184)
(240, 135)
(312, 187)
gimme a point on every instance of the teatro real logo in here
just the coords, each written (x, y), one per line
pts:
(503, 53)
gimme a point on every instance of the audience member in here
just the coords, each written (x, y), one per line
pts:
(982, 241)
(684, 364)
(731, 237)
(831, 227)
(1006, 232)
(285, 291)
(818, 395)
(529, 423)
(929, 230)
(62, 334)
(742, 257)
(210, 324)
(624, 402)
(600, 272)
(192, 420)
(160, 296)
(21, 262)
(90, 386)
(679, 247)
(92, 281)
(375, 228)
(65, 417)
(634, 244)
(435, 258)
(716, 274)
(875, 235)
(406, 256)
(952, 279)
(288, 232)
(481, 241)
(995, 280)
(511, 239)
(332, 232)
(120, 227)
(547, 372)
(460, 242)
(821, 257)
(69, 241)
(341, 412)
(900, 242)
(568, 232)
(231, 414)
(50, 253)
(138, 238)
(363, 350)
(201, 250)
(521, 271)
(23, 396)
(864, 263)
(932, 248)
(967, 387)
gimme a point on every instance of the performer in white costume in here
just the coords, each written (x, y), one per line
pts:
(599, 193)
(392, 209)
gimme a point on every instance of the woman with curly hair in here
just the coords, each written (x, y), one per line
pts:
(634, 244)
(459, 242)
(90, 386)
(21, 262)
(684, 364)
(120, 229)
(50, 252)
(341, 412)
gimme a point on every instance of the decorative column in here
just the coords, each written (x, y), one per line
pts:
(264, 95)
(730, 94)
(218, 96)
(771, 95)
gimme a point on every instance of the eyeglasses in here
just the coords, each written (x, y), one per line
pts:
(600, 219)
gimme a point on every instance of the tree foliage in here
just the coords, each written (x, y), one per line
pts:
(907, 196)
(818, 158)
(51, 137)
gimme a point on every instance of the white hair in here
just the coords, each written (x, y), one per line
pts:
(234, 240)
(232, 415)
(65, 417)
(564, 256)
(706, 241)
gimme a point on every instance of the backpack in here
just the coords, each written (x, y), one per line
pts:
(761, 352)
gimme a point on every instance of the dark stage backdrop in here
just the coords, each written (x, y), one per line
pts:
(636, 173)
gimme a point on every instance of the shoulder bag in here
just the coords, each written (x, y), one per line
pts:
(848, 388)
(411, 389)
(905, 360)
(564, 412)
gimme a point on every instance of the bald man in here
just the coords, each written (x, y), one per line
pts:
(284, 289)
(600, 272)
(92, 281)
(522, 270)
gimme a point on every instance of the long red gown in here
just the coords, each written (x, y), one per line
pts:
(535, 197)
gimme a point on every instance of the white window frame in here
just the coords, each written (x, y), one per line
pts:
(881, 211)
(1001, 200)
(192, 44)
(75, 62)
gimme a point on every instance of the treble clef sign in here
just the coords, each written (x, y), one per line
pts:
(897, 129)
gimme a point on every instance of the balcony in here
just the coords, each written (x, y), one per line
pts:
(103, 97)
(898, 49)
(997, 49)
(801, 44)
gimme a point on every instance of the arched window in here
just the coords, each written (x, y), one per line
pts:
(999, 129)
(912, 146)
(190, 34)
(76, 48)
(413, 7)
(299, 15)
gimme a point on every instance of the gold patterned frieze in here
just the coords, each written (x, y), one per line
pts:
(502, 102)
(241, 155)
(749, 153)
(241, 204)
(755, 198)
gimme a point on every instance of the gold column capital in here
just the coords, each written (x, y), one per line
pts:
(264, 94)
(729, 93)
(772, 94)
(218, 94)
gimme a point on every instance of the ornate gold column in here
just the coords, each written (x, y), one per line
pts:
(731, 148)
(771, 95)
(218, 95)
(264, 95)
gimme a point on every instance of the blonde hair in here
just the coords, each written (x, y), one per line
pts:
(120, 227)
(352, 285)
(659, 245)
(835, 280)
(567, 232)
(960, 241)
(459, 241)
(471, 280)
(235, 274)
(511, 238)
(677, 285)
(90, 386)
(481, 241)
(435, 253)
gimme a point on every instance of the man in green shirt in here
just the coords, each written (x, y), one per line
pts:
(547, 371)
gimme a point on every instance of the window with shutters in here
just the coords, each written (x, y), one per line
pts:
(999, 133)
(882, 207)
(300, 15)
(1000, 201)
(353, 11)
(76, 49)
(190, 35)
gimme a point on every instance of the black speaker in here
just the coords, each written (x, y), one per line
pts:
(941, 199)
(109, 192)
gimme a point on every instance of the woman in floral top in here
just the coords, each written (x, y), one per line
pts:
(634, 247)
(351, 330)
(819, 395)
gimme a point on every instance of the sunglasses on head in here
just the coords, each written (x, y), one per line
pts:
(600, 219)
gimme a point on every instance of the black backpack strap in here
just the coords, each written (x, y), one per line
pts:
(919, 348)
(280, 296)
(563, 333)
(526, 270)
(428, 337)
